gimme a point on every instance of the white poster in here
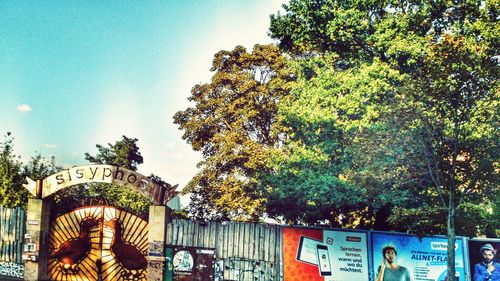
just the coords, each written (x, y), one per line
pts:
(347, 255)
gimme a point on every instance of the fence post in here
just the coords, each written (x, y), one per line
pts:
(159, 216)
(37, 230)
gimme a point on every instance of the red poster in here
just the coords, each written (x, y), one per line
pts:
(295, 269)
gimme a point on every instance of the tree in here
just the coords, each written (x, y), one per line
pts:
(40, 167)
(312, 176)
(233, 124)
(444, 55)
(124, 153)
(12, 192)
(13, 173)
(457, 104)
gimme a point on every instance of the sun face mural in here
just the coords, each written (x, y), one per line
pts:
(98, 242)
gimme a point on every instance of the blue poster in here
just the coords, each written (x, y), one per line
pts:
(483, 253)
(407, 257)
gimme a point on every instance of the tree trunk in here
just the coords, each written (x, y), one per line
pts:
(450, 276)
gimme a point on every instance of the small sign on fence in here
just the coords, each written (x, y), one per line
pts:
(33, 222)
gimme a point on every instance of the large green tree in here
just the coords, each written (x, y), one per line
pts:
(312, 180)
(233, 123)
(439, 91)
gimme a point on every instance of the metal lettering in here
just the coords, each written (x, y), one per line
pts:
(105, 174)
(93, 172)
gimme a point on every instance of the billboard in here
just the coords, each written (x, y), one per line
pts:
(324, 254)
(425, 258)
(477, 265)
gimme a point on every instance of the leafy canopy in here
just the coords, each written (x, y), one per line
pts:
(123, 153)
(12, 192)
(411, 90)
(233, 124)
(13, 173)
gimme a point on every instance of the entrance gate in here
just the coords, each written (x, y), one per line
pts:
(98, 243)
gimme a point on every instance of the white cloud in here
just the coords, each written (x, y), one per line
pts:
(50, 145)
(168, 145)
(24, 108)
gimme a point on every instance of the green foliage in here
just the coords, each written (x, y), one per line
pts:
(233, 124)
(13, 173)
(474, 218)
(492, 226)
(410, 88)
(390, 121)
(325, 117)
(39, 167)
(124, 153)
(12, 192)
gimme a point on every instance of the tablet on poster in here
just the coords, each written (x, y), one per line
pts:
(308, 250)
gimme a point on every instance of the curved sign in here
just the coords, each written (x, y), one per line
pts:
(105, 174)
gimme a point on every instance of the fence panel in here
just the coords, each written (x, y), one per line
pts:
(12, 229)
(244, 251)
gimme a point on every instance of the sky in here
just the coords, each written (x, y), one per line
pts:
(74, 74)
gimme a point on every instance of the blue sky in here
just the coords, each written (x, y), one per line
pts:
(74, 74)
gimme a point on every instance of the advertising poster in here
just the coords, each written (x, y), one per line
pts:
(329, 255)
(425, 259)
(477, 261)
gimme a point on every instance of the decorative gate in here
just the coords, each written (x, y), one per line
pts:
(98, 243)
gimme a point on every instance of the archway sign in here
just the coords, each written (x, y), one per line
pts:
(37, 218)
(143, 185)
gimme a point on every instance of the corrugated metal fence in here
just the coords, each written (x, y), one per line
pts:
(12, 228)
(244, 251)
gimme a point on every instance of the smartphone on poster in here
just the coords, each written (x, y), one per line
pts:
(324, 261)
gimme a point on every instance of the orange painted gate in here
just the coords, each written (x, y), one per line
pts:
(98, 243)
